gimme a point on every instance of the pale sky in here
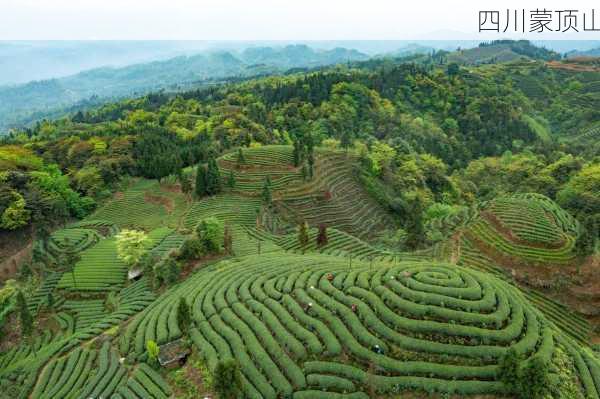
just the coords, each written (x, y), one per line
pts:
(258, 19)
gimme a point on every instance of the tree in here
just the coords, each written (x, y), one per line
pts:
(231, 180)
(15, 215)
(50, 300)
(322, 238)
(24, 315)
(131, 246)
(297, 153)
(213, 178)
(211, 233)
(157, 154)
(152, 350)
(184, 318)
(185, 182)
(191, 249)
(167, 271)
(266, 193)
(228, 240)
(303, 234)
(227, 379)
(241, 159)
(201, 182)
(311, 165)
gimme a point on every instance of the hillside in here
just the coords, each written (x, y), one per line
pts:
(409, 227)
(23, 103)
(343, 320)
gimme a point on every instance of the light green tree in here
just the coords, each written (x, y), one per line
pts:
(131, 246)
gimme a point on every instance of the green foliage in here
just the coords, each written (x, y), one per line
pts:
(200, 187)
(303, 234)
(24, 315)
(157, 155)
(131, 246)
(15, 215)
(322, 238)
(231, 180)
(227, 379)
(266, 193)
(152, 350)
(193, 248)
(184, 318)
(167, 271)
(241, 159)
(211, 232)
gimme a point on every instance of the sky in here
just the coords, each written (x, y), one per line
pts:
(260, 19)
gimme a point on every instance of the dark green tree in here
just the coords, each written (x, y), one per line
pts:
(303, 234)
(24, 315)
(297, 153)
(266, 193)
(227, 379)
(157, 155)
(201, 181)
(231, 180)
(184, 318)
(213, 178)
(241, 159)
(322, 238)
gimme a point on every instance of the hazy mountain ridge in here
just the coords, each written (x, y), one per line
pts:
(18, 103)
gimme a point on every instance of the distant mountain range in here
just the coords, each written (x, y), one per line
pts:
(22, 102)
(25, 103)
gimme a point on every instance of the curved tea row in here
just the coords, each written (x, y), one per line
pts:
(305, 324)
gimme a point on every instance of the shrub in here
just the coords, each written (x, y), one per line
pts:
(184, 318)
(227, 379)
(210, 232)
(191, 249)
(153, 351)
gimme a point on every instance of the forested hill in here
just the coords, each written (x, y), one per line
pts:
(428, 134)
(21, 103)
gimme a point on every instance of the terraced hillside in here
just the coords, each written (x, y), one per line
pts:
(525, 229)
(344, 320)
(528, 239)
(312, 326)
(333, 196)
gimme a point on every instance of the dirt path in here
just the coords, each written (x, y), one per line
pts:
(9, 267)
(456, 240)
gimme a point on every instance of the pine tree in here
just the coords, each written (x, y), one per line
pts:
(303, 234)
(184, 319)
(24, 315)
(297, 153)
(311, 165)
(322, 238)
(266, 194)
(231, 180)
(201, 181)
(213, 178)
(241, 159)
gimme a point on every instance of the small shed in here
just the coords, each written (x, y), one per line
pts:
(135, 274)
(173, 354)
